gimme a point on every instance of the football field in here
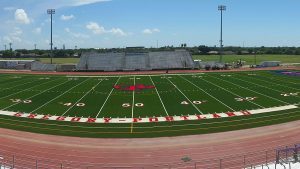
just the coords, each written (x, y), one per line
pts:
(148, 105)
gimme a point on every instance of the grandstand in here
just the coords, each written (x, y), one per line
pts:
(141, 60)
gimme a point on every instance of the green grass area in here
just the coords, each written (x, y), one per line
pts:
(250, 59)
(143, 96)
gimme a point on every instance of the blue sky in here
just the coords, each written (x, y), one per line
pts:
(120, 23)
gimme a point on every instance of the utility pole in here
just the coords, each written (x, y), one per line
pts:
(5, 46)
(51, 12)
(221, 8)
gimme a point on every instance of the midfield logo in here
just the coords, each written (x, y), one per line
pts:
(132, 87)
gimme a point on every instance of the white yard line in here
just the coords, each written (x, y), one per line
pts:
(82, 97)
(276, 85)
(36, 95)
(58, 96)
(184, 95)
(107, 97)
(252, 90)
(231, 92)
(132, 106)
(208, 93)
(17, 85)
(26, 89)
(159, 97)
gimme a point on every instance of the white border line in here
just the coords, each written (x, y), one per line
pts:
(148, 119)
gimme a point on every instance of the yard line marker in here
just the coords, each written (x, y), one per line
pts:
(36, 95)
(253, 90)
(276, 85)
(208, 94)
(26, 89)
(232, 92)
(17, 85)
(58, 96)
(159, 97)
(107, 97)
(184, 95)
(82, 97)
(132, 106)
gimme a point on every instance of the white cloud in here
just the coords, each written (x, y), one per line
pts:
(150, 31)
(14, 36)
(95, 28)
(21, 16)
(37, 30)
(76, 35)
(98, 29)
(117, 31)
(66, 17)
(85, 2)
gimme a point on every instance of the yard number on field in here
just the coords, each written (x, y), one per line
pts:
(290, 94)
(245, 99)
(136, 105)
(194, 102)
(20, 101)
(78, 104)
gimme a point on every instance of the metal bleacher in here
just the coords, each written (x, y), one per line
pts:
(178, 59)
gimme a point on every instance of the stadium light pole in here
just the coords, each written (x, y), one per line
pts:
(5, 46)
(10, 49)
(51, 12)
(221, 8)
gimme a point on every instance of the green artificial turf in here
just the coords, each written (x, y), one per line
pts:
(173, 95)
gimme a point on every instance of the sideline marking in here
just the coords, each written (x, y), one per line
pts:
(148, 119)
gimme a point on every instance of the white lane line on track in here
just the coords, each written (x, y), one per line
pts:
(252, 90)
(185, 96)
(208, 94)
(107, 97)
(231, 92)
(59, 96)
(35, 95)
(82, 97)
(159, 97)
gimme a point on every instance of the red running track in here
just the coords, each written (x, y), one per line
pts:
(51, 151)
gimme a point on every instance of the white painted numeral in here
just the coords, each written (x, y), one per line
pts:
(129, 105)
(290, 94)
(245, 99)
(80, 104)
(20, 101)
(125, 105)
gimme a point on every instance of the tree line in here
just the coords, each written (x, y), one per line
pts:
(196, 50)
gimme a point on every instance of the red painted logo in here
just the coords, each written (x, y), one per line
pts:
(132, 87)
